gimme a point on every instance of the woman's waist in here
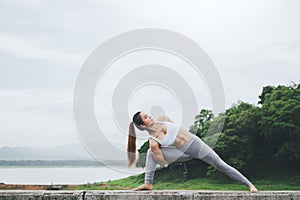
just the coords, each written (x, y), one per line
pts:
(183, 140)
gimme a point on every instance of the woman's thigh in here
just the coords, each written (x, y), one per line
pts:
(197, 149)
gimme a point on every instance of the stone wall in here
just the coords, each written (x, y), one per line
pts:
(145, 195)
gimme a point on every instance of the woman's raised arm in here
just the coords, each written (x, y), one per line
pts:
(164, 118)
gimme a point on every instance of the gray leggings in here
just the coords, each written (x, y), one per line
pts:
(195, 148)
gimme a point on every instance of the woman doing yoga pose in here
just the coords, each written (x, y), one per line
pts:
(169, 143)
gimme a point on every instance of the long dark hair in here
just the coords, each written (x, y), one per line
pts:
(131, 145)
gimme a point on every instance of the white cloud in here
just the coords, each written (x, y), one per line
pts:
(21, 47)
(36, 118)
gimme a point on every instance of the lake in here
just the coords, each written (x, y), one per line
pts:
(63, 175)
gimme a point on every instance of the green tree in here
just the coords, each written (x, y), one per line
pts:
(201, 123)
(267, 90)
(280, 121)
(237, 140)
(141, 161)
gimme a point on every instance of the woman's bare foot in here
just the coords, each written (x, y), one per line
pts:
(252, 188)
(145, 186)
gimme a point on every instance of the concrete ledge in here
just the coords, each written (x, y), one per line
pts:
(145, 195)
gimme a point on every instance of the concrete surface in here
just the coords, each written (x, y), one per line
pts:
(145, 195)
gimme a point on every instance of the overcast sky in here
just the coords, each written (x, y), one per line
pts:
(43, 45)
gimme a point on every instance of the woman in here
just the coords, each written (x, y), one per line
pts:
(169, 143)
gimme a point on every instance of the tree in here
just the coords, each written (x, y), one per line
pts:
(201, 123)
(141, 162)
(267, 90)
(237, 140)
(280, 121)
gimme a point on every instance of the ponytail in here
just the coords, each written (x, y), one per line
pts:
(131, 145)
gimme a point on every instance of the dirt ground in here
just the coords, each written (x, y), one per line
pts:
(29, 187)
(22, 187)
(102, 186)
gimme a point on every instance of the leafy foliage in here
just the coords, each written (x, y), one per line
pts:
(280, 121)
(141, 162)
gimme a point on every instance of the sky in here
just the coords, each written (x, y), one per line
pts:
(44, 44)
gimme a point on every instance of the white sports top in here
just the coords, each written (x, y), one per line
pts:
(169, 138)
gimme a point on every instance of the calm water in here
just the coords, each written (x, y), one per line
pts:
(63, 175)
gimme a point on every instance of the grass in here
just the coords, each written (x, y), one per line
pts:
(210, 184)
(192, 184)
(262, 176)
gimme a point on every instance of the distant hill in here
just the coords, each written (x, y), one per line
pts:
(66, 152)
